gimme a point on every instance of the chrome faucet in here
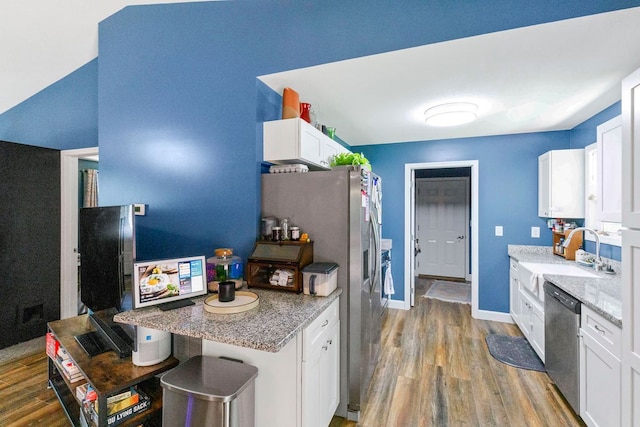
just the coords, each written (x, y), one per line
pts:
(597, 265)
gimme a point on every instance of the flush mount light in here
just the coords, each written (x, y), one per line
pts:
(451, 114)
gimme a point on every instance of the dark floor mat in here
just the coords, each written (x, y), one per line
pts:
(514, 351)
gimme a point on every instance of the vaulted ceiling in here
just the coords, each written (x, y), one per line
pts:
(545, 77)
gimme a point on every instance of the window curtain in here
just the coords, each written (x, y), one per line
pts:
(90, 191)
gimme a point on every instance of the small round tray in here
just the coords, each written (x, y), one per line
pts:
(244, 301)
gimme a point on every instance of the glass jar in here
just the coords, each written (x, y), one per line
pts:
(222, 267)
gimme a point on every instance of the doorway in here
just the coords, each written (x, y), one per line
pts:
(413, 174)
(442, 224)
(69, 228)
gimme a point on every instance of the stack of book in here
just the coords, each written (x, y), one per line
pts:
(67, 366)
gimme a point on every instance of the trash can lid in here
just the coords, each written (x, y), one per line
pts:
(320, 267)
(210, 378)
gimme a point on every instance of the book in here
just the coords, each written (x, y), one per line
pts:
(118, 402)
(52, 345)
(124, 414)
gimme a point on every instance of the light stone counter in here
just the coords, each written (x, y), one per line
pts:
(279, 317)
(602, 294)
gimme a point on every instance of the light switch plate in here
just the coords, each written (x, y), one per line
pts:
(535, 232)
(498, 230)
(139, 209)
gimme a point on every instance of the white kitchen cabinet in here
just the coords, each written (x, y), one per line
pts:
(561, 184)
(321, 371)
(609, 170)
(532, 321)
(527, 310)
(514, 292)
(299, 385)
(296, 141)
(600, 370)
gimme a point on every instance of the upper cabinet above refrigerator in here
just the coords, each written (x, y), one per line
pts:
(296, 141)
(561, 184)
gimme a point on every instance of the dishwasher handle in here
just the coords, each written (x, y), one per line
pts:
(552, 291)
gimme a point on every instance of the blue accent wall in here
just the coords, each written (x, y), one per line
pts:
(180, 115)
(62, 116)
(508, 171)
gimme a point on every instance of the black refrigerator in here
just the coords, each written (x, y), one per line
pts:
(107, 252)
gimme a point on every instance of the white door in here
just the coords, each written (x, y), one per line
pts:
(442, 212)
(631, 250)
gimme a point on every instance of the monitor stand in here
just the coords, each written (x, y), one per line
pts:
(176, 304)
(105, 337)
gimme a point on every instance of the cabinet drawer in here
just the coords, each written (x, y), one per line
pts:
(313, 334)
(601, 330)
(514, 264)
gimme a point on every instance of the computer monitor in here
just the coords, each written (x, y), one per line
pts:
(169, 283)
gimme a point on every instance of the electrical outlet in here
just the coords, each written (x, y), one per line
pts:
(499, 230)
(535, 232)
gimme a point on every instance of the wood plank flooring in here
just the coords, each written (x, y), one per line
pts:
(434, 370)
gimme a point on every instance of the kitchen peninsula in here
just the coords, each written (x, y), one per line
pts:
(292, 339)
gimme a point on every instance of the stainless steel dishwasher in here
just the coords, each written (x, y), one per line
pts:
(561, 342)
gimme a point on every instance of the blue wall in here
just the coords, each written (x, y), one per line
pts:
(180, 110)
(508, 170)
(62, 116)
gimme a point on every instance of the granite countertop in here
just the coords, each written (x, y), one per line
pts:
(602, 294)
(278, 318)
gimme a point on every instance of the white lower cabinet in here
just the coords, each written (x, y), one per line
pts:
(527, 310)
(320, 379)
(600, 370)
(299, 386)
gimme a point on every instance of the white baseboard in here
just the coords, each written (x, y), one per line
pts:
(398, 305)
(495, 316)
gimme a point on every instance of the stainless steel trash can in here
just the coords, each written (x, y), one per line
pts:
(209, 391)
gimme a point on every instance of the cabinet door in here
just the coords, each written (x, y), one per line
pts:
(525, 315)
(561, 184)
(631, 150)
(537, 330)
(321, 379)
(609, 170)
(312, 383)
(330, 149)
(330, 372)
(311, 144)
(514, 293)
(544, 189)
(599, 384)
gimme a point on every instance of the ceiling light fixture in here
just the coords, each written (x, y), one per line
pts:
(451, 114)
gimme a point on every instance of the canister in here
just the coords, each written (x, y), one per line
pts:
(320, 278)
(224, 266)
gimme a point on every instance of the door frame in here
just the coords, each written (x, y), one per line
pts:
(466, 180)
(409, 227)
(69, 229)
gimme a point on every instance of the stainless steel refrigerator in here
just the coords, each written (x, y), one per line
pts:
(341, 211)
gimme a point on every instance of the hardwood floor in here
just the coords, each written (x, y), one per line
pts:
(434, 370)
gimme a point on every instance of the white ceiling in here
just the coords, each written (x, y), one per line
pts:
(545, 77)
(539, 78)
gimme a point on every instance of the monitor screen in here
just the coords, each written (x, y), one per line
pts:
(163, 281)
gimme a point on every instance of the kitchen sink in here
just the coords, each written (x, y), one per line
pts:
(530, 274)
